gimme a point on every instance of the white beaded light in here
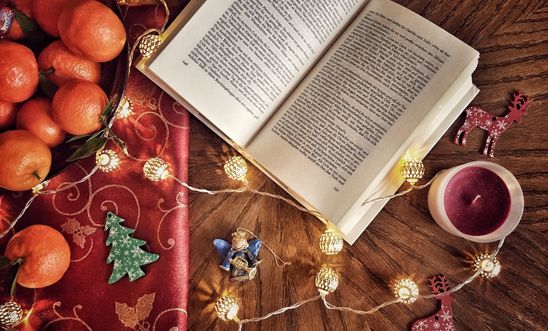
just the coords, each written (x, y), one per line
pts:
(107, 160)
(327, 280)
(406, 290)
(236, 168)
(156, 169)
(11, 314)
(125, 109)
(412, 170)
(489, 265)
(331, 242)
(149, 44)
(227, 308)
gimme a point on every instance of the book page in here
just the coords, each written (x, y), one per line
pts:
(363, 104)
(236, 60)
(359, 217)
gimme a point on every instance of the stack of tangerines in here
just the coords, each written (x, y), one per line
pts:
(90, 33)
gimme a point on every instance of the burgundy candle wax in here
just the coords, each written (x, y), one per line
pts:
(477, 201)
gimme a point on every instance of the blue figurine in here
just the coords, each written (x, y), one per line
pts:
(240, 257)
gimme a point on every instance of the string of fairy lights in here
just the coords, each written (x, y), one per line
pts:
(327, 279)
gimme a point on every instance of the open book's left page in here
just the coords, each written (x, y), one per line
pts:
(235, 61)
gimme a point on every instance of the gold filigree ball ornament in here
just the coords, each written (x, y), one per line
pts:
(125, 109)
(156, 169)
(149, 44)
(412, 170)
(406, 290)
(227, 308)
(489, 265)
(11, 314)
(327, 280)
(236, 168)
(107, 160)
(331, 242)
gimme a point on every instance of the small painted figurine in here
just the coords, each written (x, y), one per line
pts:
(495, 126)
(442, 319)
(240, 257)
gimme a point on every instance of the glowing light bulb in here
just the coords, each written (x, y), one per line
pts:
(331, 242)
(406, 290)
(227, 308)
(107, 160)
(149, 44)
(125, 109)
(236, 168)
(489, 265)
(412, 170)
(11, 314)
(327, 280)
(156, 169)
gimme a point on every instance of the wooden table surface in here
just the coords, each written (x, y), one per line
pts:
(512, 37)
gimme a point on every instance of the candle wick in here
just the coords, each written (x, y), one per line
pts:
(476, 198)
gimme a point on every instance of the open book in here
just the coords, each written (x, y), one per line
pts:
(326, 97)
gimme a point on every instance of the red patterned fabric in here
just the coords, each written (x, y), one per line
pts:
(82, 299)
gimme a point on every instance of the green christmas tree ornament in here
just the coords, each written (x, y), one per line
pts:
(126, 252)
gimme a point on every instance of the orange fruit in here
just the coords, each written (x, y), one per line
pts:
(78, 105)
(26, 160)
(35, 117)
(15, 32)
(8, 114)
(45, 254)
(47, 12)
(24, 6)
(66, 65)
(18, 72)
(92, 30)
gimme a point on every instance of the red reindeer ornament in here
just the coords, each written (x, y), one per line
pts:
(494, 126)
(442, 320)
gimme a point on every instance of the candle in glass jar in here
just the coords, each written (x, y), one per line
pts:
(479, 201)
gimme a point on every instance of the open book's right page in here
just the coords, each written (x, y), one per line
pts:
(367, 98)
